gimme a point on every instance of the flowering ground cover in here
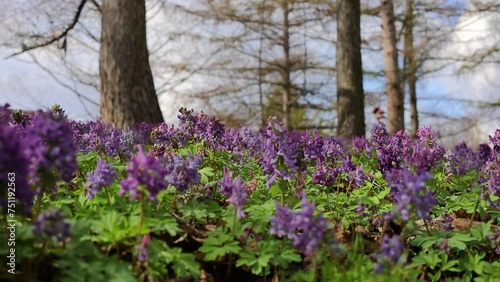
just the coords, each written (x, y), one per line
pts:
(199, 202)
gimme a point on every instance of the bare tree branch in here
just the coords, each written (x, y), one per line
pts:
(55, 38)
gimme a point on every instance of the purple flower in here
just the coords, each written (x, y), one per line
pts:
(409, 190)
(391, 249)
(13, 164)
(325, 175)
(234, 190)
(143, 252)
(144, 170)
(462, 159)
(305, 230)
(495, 240)
(182, 172)
(424, 153)
(280, 153)
(483, 154)
(51, 223)
(361, 145)
(495, 142)
(443, 246)
(380, 136)
(104, 175)
(50, 146)
(390, 156)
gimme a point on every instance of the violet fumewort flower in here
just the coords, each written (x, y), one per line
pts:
(409, 190)
(380, 136)
(142, 254)
(462, 159)
(495, 240)
(305, 230)
(166, 135)
(495, 143)
(103, 176)
(280, 153)
(325, 175)
(361, 145)
(233, 189)
(182, 172)
(241, 141)
(51, 148)
(483, 154)
(13, 163)
(391, 251)
(390, 156)
(201, 127)
(424, 153)
(144, 170)
(51, 223)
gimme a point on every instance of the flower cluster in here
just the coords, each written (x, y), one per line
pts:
(233, 189)
(50, 145)
(51, 223)
(144, 170)
(97, 136)
(280, 153)
(463, 159)
(425, 153)
(182, 172)
(391, 251)
(305, 230)
(13, 162)
(409, 190)
(103, 176)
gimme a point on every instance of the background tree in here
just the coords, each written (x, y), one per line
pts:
(127, 88)
(350, 96)
(395, 98)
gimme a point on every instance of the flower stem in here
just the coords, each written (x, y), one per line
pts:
(141, 215)
(38, 204)
(474, 212)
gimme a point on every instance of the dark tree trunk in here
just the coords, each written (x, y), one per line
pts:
(395, 98)
(287, 82)
(350, 96)
(411, 66)
(127, 89)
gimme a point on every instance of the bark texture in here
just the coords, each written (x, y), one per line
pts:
(350, 96)
(395, 98)
(411, 66)
(127, 89)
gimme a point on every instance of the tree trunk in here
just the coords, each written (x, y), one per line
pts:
(395, 98)
(350, 96)
(411, 66)
(127, 89)
(287, 82)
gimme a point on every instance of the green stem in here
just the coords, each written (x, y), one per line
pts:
(38, 204)
(141, 216)
(107, 195)
(234, 235)
(427, 228)
(474, 212)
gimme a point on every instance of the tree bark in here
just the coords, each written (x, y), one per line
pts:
(127, 90)
(411, 65)
(395, 98)
(350, 96)
(287, 82)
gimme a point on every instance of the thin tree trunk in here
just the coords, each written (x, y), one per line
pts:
(395, 98)
(411, 66)
(127, 89)
(287, 82)
(350, 96)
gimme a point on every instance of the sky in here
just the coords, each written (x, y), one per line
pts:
(25, 85)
